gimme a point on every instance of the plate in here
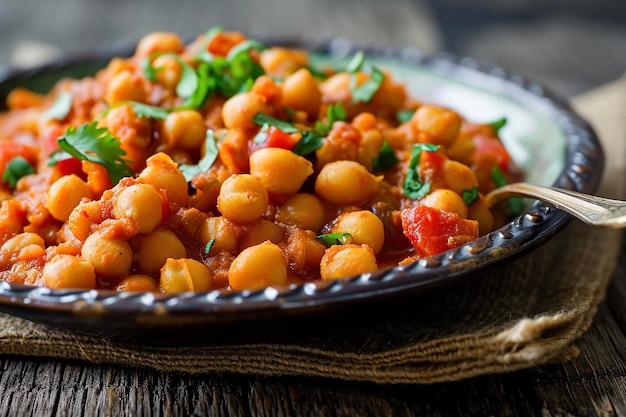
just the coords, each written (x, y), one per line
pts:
(552, 144)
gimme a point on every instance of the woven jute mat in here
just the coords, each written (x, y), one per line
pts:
(521, 314)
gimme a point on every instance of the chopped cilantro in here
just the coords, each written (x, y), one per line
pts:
(514, 205)
(366, 91)
(334, 112)
(262, 119)
(335, 238)
(208, 246)
(207, 161)
(470, 196)
(356, 62)
(498, 124)
(144, 110)
(308, 143)
(60, 108)
(243, 47)
(15, 169)
(386, 158)
(91, 143)
(404, 115)
(413, 187)
(316, 73)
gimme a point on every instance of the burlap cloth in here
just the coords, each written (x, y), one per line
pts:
(521, 314)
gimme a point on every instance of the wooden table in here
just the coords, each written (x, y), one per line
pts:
(570, 52)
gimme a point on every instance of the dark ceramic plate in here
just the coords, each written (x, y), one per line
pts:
(552, 144)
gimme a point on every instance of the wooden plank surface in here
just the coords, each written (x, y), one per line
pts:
(570, 53)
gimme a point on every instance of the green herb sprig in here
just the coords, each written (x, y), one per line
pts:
(413, 186)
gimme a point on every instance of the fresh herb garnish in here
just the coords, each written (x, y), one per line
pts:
(60, 108)
(334, 112)
(207, 161)
(386, 158)
(145, 110)
(404, 115)
(316, 73)
(364, 92)
(413, 187)
(335, 238)
(91, 143)
(470, 196)
(208, 246)
(498, 124)
(15, 169)
(309, 142)
(263, 119)
(356, 62)
(514, 205)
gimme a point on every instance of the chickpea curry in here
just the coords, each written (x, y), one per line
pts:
(223, 163)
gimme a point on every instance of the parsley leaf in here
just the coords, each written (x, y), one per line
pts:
(413, 187)
(207, 161)
(514, 205)
(308, 143)
(334, 112)
(208, 246)
(144, 110)
(15, 169)
(386, 158)
(262, 119)
(470, 196)
(60, 108)
(316, 73)
(404, 115)
(356, 62)
(366, 91)
(91, 143)
(244, 46)
(335, 238)
(498, 124)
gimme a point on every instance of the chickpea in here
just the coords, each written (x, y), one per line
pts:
(446, 200)
(260, 231)
(221, 231)
(480, 212)
(67, 271)
(65, 194)
(125, 86)
(169, 71)
(155, 248)
(82, 217)
(364, 226)
(281, 62)
(140, 202)
(345, 182)
(137, 282)
(239, 110)
(159, 42)
(185, 128)
(257, 267)
(181, 275)
(15, 245)
(242, 198)
(162, 173)
(341, 261)
(458, 177)
(302, 210)
(280, 171)
(109, 257)
(442, 125)
(300, 92)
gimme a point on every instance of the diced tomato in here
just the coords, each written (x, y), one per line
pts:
(223, 42)
(486, 145)
(432, 230)
(276, 138)
(51, 135)
(71, 166)
(431, 168)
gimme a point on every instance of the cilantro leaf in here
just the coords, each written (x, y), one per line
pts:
(208, 246)
(148, 69)
(262, 119)
(514, 205)
(366, 91)
(404, 115)
(309, 143)
(413, 187)
(470, 196)
(498, 124)
(188, 82)
(386, 158)
(60, 108)
(145, 110)
(356, 62)
(244, 46)
(15, 169)
(498, 177)
(207, 161)
(334, 112)
(91, 143)
(335, 238)
(316, 73)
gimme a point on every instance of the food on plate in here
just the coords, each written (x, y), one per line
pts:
(223, 163)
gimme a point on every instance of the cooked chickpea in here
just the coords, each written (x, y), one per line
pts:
(458, 177)
(109, 257)
(280, 171)
(137, 282)
(341, 261)
(181, 275)
(155, 248)
(260, 231)
(239, 110)
(82, 217)
(442, 125)
(185, 128)
(446, 200)
(169, 71)
(17, 243)
(258, 267)
(302, 210)
(281, 62)
(162, 173)
(479, 211)
(67, 271)
(242, 198)
(300, 92)
(364, 226)
(125, 86)
(345, 182)
(140, 202)
(65, 194)
(221, 231)
(159, 42)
